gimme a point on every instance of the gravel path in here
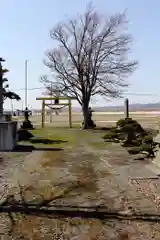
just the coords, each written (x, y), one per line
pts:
(9, 167)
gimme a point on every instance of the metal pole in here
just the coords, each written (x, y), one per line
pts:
(12, 106)
(22, 106)
(26, 83)
(51, 109)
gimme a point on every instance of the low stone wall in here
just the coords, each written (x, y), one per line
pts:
(8, 135)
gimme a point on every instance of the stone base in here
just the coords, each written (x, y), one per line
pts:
(6, 117)
(91, 124)
(27, 125)
(24, 135)
(2, 118)
(8, 135)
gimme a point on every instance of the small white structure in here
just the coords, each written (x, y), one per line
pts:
(8, 135)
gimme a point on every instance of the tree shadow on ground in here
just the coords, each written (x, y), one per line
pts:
(30, 148)
(26, 136)
(36, 140)
(103, 128)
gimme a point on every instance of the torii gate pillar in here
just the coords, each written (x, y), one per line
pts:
(69, 104)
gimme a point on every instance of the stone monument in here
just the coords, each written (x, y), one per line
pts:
(126, 108)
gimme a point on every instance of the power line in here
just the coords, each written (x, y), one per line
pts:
(23, 89)
(142, 94)
(126, 93)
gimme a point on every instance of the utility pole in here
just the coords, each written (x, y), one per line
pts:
(12, 107)
(26, 83)
(22, 106)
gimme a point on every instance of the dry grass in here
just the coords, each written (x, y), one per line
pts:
(62, 120)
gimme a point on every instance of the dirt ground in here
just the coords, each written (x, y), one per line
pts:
(81, 171)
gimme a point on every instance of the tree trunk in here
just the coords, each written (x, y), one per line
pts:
(85, 116)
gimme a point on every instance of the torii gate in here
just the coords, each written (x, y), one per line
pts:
(69, 104)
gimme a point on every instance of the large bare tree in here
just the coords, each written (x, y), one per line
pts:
(91, 57)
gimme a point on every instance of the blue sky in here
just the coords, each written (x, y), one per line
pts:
(25, 29)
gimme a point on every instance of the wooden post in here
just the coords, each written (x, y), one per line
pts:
(51, 110)
(43, 113)
(70, 112)
(126, 108)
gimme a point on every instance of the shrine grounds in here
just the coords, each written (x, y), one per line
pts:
(74, 167)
